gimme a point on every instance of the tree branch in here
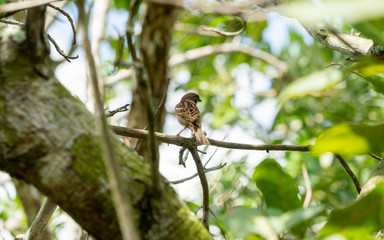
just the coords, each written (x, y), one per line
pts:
(342, 42)
(189, 142)
(40, 222)
(206, 170)
(204, 185)
(350, 173)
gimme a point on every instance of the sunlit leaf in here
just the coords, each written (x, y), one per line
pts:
(244, 221)
(314, 83)
(340, 139)
(361, 220)
(373, 134)
(372, 71)
(278, 187)
(293, 218)
(349, 11)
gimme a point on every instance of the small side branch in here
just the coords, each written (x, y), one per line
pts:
(61, 52)
(350, 173)
(40, 222)
(206, 170)
(227, 34)
(117, 110)
(204, 185)
(70, 20)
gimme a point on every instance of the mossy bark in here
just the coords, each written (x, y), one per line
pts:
(49, 139)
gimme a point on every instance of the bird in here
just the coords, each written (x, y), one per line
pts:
(189, 116)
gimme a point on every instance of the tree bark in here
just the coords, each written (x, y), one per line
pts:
(49, 139)
(155, 42)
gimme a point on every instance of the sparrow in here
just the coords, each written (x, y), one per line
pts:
(188, 115)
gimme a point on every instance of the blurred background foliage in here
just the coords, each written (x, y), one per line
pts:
(320, 89)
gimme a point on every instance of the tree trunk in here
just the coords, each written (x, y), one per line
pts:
(155, 42)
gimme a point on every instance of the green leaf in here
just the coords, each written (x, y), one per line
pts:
(372, 71)
(373, 134)
(278, 187)
(314, 83)
(244, 221)
(293, 218)
(360, 220)
(340, 139)
(350, 11)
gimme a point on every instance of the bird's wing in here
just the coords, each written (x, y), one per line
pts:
(188, 111)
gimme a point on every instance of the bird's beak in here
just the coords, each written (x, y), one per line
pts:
(198, 99)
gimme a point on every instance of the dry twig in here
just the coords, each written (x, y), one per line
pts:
(117, 110)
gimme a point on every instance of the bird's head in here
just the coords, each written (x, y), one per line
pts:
(192, 97)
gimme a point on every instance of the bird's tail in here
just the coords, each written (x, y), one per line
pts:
(200, 137)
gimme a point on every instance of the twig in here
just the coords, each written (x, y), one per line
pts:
(117, 110)
(350, 173)
(227, 34)
(375, 156)
(204, 185)
(41, 220)
(13, 22)
(213, 154)
(307, 182)
(61, 52)
(205, 51)
(206, 170)
(188, 142)
(122, 208)
(69, 19)
(181, 158)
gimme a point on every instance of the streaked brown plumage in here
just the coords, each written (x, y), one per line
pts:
(188, 115)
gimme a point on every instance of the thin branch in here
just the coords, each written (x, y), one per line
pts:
(51, 39)
(61, 52)
(308, 187)
(69, 19)
(227, 34)
(350, 173)
(41, 220)
(189, 142)
(117, 110)
(204, 185)
(376, 157)
(122, 208)
(182, 159)
(22, 5)
(206, 170)
(13, 22)
(205, 51)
